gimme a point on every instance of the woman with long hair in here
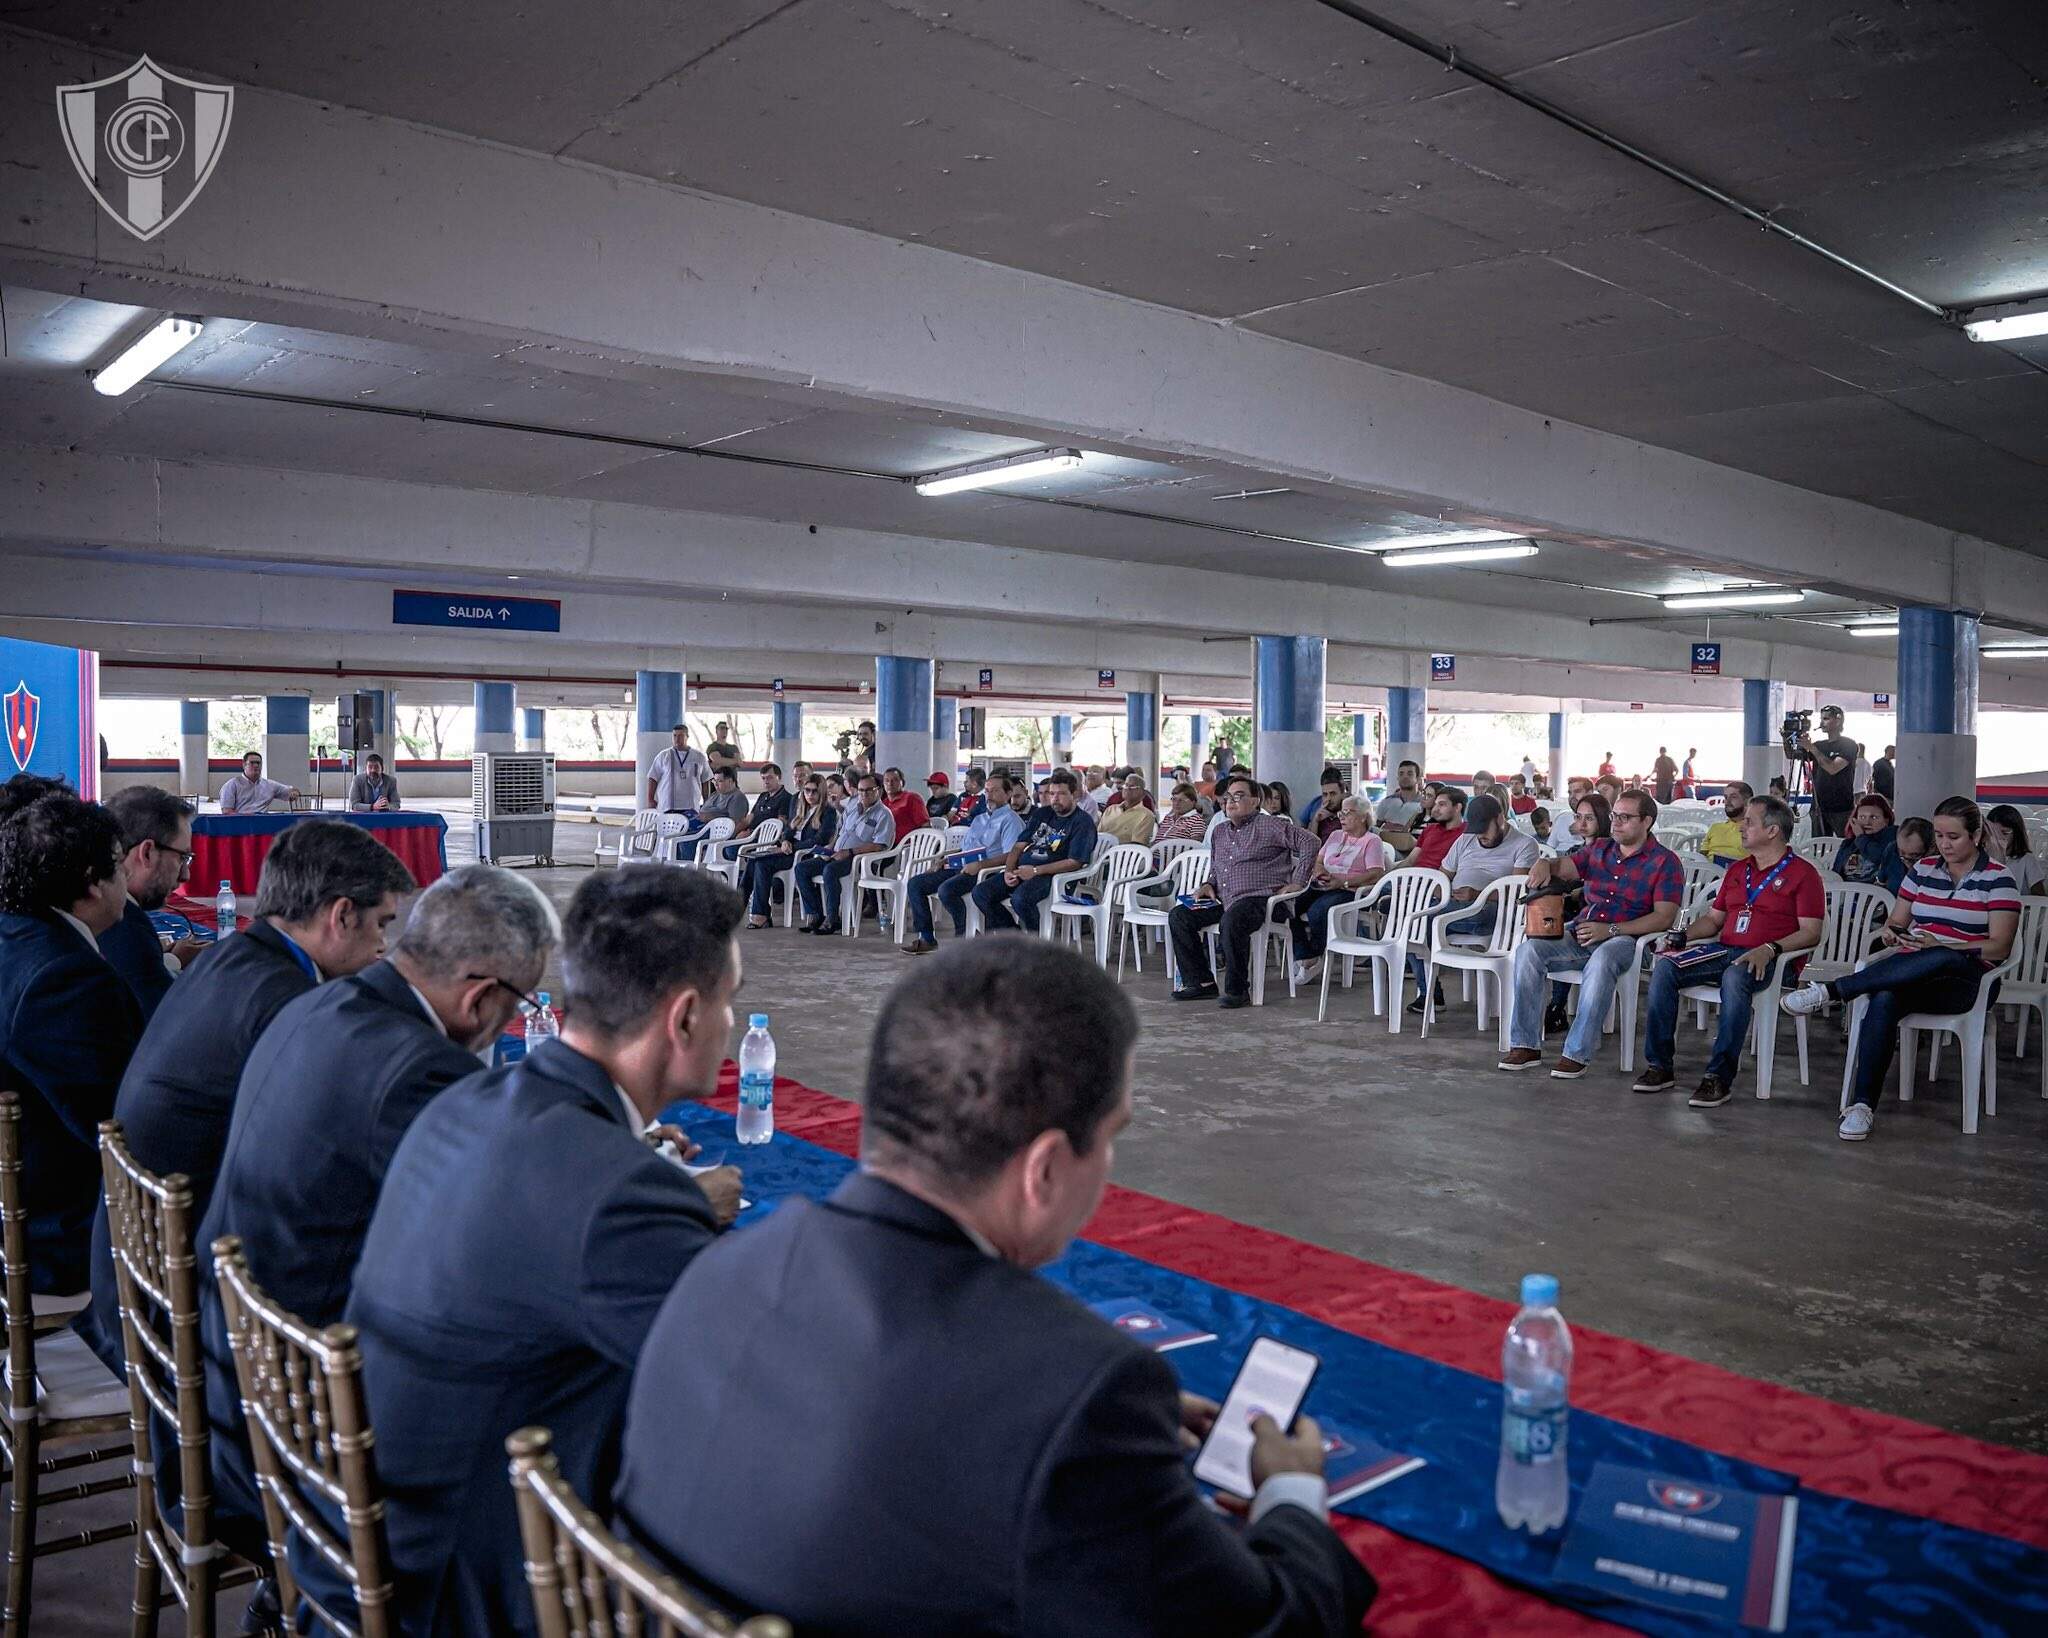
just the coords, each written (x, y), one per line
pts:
(813, 823)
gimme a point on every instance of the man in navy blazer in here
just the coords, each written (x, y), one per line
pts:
(869, 1416)
(67, 1023)
(330, 1089)
(156, 833)
(524, 1238)
(327, 894)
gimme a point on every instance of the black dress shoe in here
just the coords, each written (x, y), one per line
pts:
(1200, 992)
(1235, 1001)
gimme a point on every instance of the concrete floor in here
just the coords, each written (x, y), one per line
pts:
(1895, 1274)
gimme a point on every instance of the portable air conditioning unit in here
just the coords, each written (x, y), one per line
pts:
(512, 798)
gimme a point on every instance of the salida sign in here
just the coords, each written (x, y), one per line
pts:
(466, 610)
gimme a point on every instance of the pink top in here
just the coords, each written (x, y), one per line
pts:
(1347, 855)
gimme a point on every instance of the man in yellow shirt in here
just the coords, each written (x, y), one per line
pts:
(1723, 841)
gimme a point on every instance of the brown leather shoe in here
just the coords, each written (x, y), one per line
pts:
(1567, 1069)
(1521, 1058)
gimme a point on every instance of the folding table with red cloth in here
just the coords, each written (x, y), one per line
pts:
(230, 847)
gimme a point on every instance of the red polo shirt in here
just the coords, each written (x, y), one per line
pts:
(1795, 892)
(1432, 842)
(909, 812)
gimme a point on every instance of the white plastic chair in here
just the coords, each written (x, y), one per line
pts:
(2026, 992)
(1978, 1042)
(670, 843)
(1857, 912)
(887, 874)
(1628, 993)
(1491, 955)
(626, 844)
(1273, 937)
(1400, 895)
(1821, 851)
(1105, 879)
(1149, 900)
(668, 830)
(1164, 853)
(729, 857)
(1763, 1019)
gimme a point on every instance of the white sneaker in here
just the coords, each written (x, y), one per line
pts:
(1307, 972)
(1857, 1121)
(1809, 998)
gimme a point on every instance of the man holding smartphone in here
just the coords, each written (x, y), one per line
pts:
(935, 1440)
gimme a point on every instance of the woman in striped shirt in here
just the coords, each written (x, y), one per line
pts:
(1956, 917)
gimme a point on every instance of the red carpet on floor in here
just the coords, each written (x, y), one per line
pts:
(1886, 1461)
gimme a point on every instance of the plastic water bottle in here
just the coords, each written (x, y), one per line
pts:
(224, 910)
(540, 1023)
(757, 1082)
(1531, 1488)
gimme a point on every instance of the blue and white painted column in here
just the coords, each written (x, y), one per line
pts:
(903, 717)
(1062, 742)
(1287, 725)
(192, 735)
(786, 735)
(533, 728)
(384, 726)
(1763, 748)
(1360, 745)
(1198, 744)
(287, 725)
(945, 741)
(1407, 730)
(1937, 708)
(657, 708)
(1560, 752)
(496, 709)
(1141, 735)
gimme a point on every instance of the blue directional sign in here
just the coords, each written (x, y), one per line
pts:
(1881, 702)
(1706, 659)
(1443, 668)
(475, 611)
(1105, 679)
(986, 679)
(778, 688)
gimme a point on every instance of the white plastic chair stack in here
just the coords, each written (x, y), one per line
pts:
(623, 844)
(887, 875)
(1401, 895)
(1489, 956)
(1150, 899)
(669, 829)
(1972, 1032)
(1104, 882)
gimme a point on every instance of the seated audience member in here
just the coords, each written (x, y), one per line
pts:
(906, 807)
(1590, 821)
(1956, 918)
(940, 802)
(373, 790)
(1539, 824)
(1609, 787)
(1723, 841)
(1519, 799)
(774, 802)
(1320, 815)
(1778, 788)
(1351, 857)
(1185, 821)
(525, 1237)
(1042, 1486)
(1253, 855)
(839, 793)
(67, 1022)
(1131, 819)
(2005, 835)
(726, 801)
(327, 893)
(1120, 791)
(330, 1089)
(1770, 903)
(973, 796)
(1634, 886)
(156, 836)
(1206, 785)
(1577, 789)
(866, 827)
(990, 836)
(1490, 849)
(1434, 840)
(1020, 797)
(1095, 790)
(809, 832)
(1872, 834)
(1913, 843)
(249, 792)
(1057, 838)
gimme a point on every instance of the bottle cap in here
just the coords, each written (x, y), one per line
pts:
(227, 886)
(1539, 1290)
(542, 997)
(758, 1020)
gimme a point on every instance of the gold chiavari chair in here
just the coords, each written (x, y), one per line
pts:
(588, 1584)
(302, 1395)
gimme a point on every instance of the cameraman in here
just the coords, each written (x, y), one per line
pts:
(1834, 773)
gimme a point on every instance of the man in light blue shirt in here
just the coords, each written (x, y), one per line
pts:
(991, 834)
(866, 827)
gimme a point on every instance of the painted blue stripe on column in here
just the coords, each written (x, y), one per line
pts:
(1290, 685)
(535, 721)
(287, 714)
(1407, 716)
(1938, 660)
(1063, 730)
(192, 716)
(494, 704)
(1557, 730)
(659, 697)
(903, 691)
(1358, 731)
(1761, 717)
(1141, 718)
(1198, 729)
(788, 720)
(946, 721)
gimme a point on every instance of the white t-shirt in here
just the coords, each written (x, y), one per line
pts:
(2026, 872)
(679, 778)
(1471, 863)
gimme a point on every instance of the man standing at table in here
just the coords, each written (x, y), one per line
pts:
(869, 1414)
(677, 776)
(1253, 855)
(249, 792)
(373, 790)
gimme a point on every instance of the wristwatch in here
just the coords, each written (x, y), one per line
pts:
(1773, 948)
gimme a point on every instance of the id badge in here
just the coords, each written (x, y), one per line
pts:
(1742, 921)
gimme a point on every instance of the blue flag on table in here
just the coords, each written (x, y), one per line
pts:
(1680, 1544)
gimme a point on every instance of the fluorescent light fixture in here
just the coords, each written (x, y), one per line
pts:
(1010, 469)
(2016, 651)
(1876, 629)
(2009, 328)
(1447, 537)
(160, 342)
(1736, 597)
(1481, 552)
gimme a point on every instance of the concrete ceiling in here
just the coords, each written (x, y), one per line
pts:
(1277, 165)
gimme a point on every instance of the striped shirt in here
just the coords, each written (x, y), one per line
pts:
(1960, 911)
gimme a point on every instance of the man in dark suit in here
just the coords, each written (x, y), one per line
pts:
(327, 894)
(525, 1237)
(871, 1417)
(156, 831)
(67, 1023)
(327, 1093)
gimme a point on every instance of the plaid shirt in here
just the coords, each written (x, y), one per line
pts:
(1263, 855)
(1623, 888)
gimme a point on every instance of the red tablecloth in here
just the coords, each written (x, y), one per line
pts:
(231, 847)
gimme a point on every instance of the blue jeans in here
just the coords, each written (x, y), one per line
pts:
(761, 873)
(952, 885)
(1911, 981)
(1003, 907)
(809, 872)
(1457, 918)
(1738, 993)
(1311, 918)
(1537, 959)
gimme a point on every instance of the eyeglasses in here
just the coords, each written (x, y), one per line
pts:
(184, 853)
(528, 1003)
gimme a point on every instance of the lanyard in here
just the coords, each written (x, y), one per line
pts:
(1749, 872)
(305, 961)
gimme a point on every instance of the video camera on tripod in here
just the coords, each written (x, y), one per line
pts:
(1795, 725)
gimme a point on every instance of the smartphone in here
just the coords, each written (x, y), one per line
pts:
(1273, 1381)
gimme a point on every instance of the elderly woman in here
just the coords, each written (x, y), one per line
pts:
(1352, 857)
(1130, 820)
(1185, 821)
(1861, 856)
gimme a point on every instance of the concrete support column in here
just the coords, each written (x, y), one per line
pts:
(945, 740)
(192, 736)
(1288, 716)
(1198, 744)
(384, 725)
(786, 735)
(1763, 748)
(533, 728)
(1062, 742)
(903, 716)
(1407, 730)
(1360, 746)
(1560, 752)
(657, 708)
(287, 723)
(1937, 708)
(496, 709)
(1141, 735)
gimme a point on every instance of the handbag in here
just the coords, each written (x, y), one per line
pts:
(1543, 911)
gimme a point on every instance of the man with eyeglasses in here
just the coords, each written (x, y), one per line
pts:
(866, 827)
(156, 836)
(329, 1090)
(1253, 855)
